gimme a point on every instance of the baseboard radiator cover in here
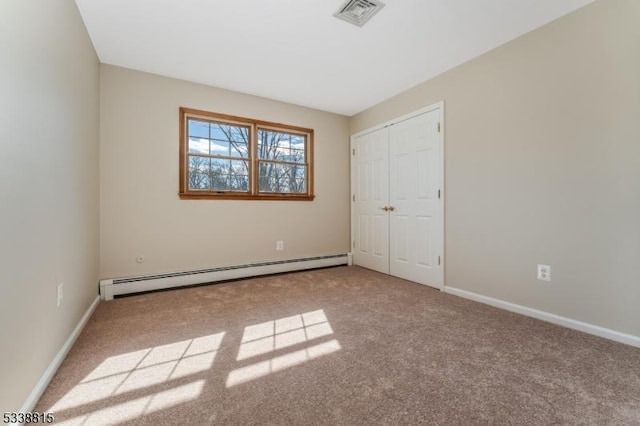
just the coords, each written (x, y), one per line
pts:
(139, 284)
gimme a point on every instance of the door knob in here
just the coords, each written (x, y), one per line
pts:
(391, 208)
(385, 208)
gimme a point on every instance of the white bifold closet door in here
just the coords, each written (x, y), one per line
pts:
(370, 197)
(397, 194)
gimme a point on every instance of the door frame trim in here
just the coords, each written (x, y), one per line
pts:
(436, 106)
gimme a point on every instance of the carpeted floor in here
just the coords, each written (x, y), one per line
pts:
(339, 346)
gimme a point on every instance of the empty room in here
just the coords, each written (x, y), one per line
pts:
(320, 212)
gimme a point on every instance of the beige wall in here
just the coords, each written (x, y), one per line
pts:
(542, 142)
(141, 213)
(48, 186)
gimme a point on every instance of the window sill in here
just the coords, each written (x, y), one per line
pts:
(230, 196)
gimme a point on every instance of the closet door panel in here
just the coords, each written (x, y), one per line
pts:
(371, 195)
(414, 176)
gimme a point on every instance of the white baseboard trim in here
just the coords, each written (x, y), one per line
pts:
(51, 370)
(616, 336)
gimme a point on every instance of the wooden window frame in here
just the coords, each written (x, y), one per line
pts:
(254, 125)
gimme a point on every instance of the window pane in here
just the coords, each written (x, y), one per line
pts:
(198, 177)
(297, 142)
(282, 178)
(198, 135)
(217, 133)
(268, 144)
(198, 129)
(219, 174)
(239, 134)
(229, 140)
(280, 146)
(198, 146)
(219, 148)
(239, 175)
(295, 156)
(229, 175)
(239, 149)
(229, 133)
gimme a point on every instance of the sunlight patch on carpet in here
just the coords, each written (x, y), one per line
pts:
(269, 336)
(142, 369)
(279, 363)
(135, 408)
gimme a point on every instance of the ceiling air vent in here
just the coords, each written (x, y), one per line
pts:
(358, 12)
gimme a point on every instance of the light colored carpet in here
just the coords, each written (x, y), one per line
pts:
(339, 346)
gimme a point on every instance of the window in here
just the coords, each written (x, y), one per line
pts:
(228, 157)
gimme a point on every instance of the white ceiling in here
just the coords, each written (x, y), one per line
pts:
(296, 51)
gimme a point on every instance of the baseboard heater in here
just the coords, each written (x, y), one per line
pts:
(120, 286)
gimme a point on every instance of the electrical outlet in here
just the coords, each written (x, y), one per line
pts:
(59, 292)
(544, 272)
(279, 245)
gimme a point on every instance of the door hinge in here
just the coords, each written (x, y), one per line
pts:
(354, 197)
(354, 244)
(438, 260)
(438, 127)
(438, 193)
(354, 151)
